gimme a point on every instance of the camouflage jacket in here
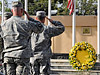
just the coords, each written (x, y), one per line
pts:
(41, 43)
(16, 34)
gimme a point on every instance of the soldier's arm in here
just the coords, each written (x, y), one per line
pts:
(36, 26)
(56, 29)
(29, 18)
(26, 13)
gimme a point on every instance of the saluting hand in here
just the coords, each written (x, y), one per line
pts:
(26, 13)
(49, 19)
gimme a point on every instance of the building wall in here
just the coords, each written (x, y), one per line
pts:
(63, 42)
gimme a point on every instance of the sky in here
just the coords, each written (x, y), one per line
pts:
(10, 5)
(10, 1)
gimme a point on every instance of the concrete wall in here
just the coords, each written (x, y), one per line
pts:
(63, 42)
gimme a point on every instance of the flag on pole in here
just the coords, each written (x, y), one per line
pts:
(70, 6)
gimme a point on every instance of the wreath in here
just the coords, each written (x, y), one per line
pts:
(82, 56)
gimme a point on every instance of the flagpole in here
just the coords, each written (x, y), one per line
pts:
(49, 11)
(73, 25)
(2, 10)
(26, 4)
(98, 31)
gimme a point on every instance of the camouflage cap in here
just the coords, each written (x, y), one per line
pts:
(40, 14)
(7, 14)
(17, 4)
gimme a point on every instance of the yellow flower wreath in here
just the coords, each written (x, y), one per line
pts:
(82, 56)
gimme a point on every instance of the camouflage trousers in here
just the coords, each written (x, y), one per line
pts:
(40, 66)
(14, 66)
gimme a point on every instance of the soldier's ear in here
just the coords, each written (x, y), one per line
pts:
(21, 10)
(12, 10)
(36, 18)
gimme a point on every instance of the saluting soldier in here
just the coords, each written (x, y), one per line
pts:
(7, 15)
(16, 34)
(41, 44)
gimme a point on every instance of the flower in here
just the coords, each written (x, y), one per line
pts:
(82, 56)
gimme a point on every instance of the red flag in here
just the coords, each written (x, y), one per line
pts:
(70, 6)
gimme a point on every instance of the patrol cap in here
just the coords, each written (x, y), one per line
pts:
(7, 14)
(17, 4)
(40, 14)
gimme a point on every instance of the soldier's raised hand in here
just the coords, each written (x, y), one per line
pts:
(49, 19)
(26, 13)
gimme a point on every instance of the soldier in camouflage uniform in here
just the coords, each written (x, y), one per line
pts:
(41, 45)
(7, 15)
(16, 34)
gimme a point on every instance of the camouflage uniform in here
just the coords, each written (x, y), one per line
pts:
(7, 15)
(42, 53)
(16, 34)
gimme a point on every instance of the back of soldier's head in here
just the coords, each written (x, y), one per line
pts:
(41, 15)
(17, 4)
(17, 8)
(7, 15)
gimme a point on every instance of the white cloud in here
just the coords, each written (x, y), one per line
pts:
(9, 1)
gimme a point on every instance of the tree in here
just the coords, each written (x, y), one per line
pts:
(5, 6)
(62, 10)
(85, 7)
(0, 5)
(39, 5)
